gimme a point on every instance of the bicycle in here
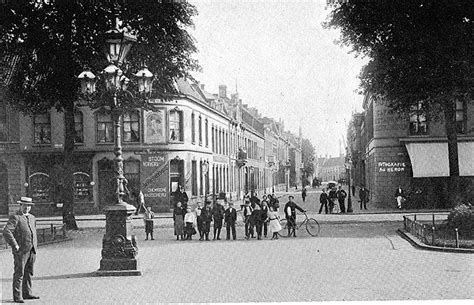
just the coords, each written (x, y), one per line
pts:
(312, 226)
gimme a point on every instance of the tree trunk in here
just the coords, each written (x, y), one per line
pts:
(69, 219)
(454, 193)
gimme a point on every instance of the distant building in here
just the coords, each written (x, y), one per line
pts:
(330, 168)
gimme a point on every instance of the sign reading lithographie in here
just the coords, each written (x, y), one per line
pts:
(155, 126)
(391, 167)
(154, 177)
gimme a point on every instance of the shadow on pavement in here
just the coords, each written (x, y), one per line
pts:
(58, 277)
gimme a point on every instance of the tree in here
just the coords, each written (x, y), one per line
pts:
(307, 155)
(419, 51)
(56, 40)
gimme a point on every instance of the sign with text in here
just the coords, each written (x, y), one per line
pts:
(391, 167)
(154, 176)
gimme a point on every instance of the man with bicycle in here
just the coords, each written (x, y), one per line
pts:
(290, 214)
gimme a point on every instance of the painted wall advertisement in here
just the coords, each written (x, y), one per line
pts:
(154, 176)
(391, 167)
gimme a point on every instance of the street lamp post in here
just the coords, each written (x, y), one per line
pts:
(349, 198)
(205, 169)
(119, 248)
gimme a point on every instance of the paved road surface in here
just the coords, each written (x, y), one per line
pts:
(357, 262)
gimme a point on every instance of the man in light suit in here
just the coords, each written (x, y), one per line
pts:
(20, 234)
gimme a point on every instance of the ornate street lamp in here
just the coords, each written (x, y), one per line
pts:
(347, 165)
(119, 248)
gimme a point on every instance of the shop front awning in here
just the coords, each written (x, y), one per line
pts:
(430, 159)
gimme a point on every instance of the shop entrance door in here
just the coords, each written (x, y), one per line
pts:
(176, 179)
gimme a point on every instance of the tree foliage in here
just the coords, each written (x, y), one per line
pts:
(56, 40)
(307, 154)
(419, 51)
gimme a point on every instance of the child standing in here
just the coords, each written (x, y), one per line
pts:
(189, 220)
(275, 225)
(148, 216)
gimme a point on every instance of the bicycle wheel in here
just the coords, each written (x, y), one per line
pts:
(312, 226)
(284, 228)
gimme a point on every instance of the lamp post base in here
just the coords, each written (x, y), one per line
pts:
(119, 248)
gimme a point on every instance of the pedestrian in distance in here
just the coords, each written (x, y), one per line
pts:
(303, 194)
(400, 196)
(20, 235)
(217, 217)
(254, 200)
(290, 214)
(189, 224)
(273, 202)
(323, 200)
(341, 197)
(353, 190)
(206, 219)
(332, 196)
(274, 219)
(265, 211)
(178, 218)
(248, 220)
(148, 217)
(140, 201)
(363, 197)
(230, 217)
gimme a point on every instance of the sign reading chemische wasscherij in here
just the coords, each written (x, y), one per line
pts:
(154, 180)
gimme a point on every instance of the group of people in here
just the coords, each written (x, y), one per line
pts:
(333, 199)
(260, 218)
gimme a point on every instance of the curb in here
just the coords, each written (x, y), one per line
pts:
(57, 241)
(418, 244)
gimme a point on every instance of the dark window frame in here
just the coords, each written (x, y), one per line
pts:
(42, 129)
(109, 137)
(175, 117)
(132, 122)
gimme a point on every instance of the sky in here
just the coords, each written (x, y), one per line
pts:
(279, 58)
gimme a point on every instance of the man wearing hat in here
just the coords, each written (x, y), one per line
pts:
(20, 234)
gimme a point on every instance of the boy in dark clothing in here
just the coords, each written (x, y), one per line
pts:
(217, 216)
(323, 199)
(230, 216)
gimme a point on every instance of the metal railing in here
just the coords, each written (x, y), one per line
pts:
(44, 235)
(429, 230)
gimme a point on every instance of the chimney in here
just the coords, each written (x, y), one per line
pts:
(202, 86)
(222, 91)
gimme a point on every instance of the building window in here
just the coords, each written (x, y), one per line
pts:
(105, 128)
(418, 122)
(39, 187)
(193, 129)
(201, 178)
(3, 122)
(460, 117)
(194, 178)
(212, 139)
(42, 126)
(82, 187)
(176, 125)
(200, 130)
(206, 130)
(131, 127)
(131, 171)
(79, 127)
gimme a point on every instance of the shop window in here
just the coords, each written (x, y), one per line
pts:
(212, 139)
(79, 127)
(460, 117)
(42, 128)
(3, 122)
(193, 129)
(82, 187)
(40, 187)
(105, 128)
(418, 122)
(201, 178)
(131, 127)
(176, 125)
(194, 178)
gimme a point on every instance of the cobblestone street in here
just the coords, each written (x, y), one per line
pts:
(356, 262)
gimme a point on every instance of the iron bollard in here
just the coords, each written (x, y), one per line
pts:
(54, 233)
(64, 231)
(414, 217)
(44, 239)
(405, 222)
(433, 220)
(52, 229)
(457, 237)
